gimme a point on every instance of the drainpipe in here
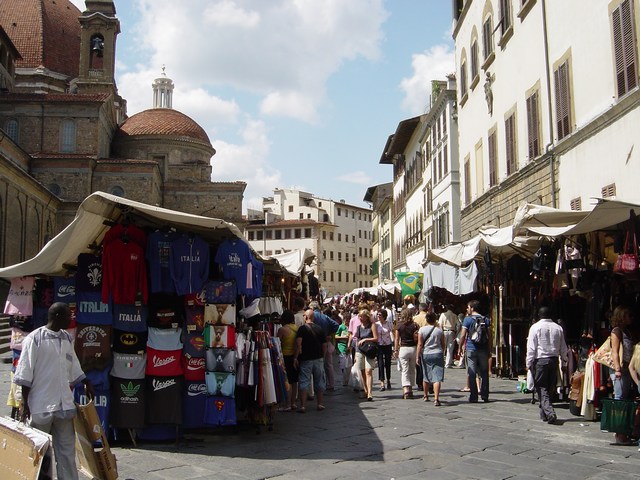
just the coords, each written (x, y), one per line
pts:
(549, 147)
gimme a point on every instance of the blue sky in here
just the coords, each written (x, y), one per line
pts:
(292, 93)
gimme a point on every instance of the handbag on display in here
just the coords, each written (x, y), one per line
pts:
(617, 415)
(627, 261)
(603, 354)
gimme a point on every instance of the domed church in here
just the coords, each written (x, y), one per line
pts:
(65, 133)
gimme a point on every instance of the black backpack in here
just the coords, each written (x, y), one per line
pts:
(480, 334)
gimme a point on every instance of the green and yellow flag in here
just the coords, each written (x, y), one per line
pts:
(410, 282)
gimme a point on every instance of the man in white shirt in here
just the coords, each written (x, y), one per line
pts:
(47, 370)
(544, 345)
(449, 323)
(298, 305)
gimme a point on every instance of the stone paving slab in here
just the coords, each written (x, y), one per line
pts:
(391, 438)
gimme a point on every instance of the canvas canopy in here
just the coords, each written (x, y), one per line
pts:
(293, 262)
(499, 240)
(551, 222)
(94, 217)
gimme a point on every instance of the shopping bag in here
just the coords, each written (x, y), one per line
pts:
(355, 379)
(603, 354)
(617, 415)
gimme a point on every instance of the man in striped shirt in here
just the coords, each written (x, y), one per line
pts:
(545, 345)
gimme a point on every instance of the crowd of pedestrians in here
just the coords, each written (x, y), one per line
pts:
(366, 338)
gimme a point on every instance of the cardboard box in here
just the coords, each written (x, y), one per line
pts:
(22, 450)
(94, 463)
(89, 417)
(107, 464)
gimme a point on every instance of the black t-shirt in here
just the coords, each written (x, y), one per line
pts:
(406, 331)
(312, 340)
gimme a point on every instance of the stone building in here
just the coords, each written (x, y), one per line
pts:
(65, 133)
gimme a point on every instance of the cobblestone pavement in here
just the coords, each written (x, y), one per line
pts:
(392, 438)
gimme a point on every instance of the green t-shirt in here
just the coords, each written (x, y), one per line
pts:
(341, 344)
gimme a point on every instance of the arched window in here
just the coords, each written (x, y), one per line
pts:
(68, 136)
(12, 130)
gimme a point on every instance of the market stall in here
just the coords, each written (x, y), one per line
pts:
(156, 297)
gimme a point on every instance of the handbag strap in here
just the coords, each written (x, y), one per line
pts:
(427, 337)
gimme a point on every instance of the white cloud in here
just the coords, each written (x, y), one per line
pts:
(246, 161)
(359, 178)
(433, 64)
(228, 13)
(289, 104)
(278, 51)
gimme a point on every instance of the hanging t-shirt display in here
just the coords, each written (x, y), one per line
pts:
(127, 402)
(129, 366)
(130, 318)
(220, 314)
(93, 346)
(20, 299)
(189, 264)
(220, 411)
(220, 336)
(128, 232)
(89, 273)
(194, 344)
(257, 271)
(64, 289)
(159, 257)
(193, 367)
(221, 360)
(194, 318)
(102, 402)
(43, 293)
(161, 363)
(91, 310)
(217, 291)
(234, 258)
(219, 383)
(194, 398)
(165, 311)
(130, 342)
(163, 399)
(124, 272)
(165, 338)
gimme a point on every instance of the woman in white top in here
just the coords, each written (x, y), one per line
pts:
(430, 352)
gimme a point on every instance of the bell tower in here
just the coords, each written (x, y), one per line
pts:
(99, 29)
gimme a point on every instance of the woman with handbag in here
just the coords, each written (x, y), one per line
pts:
(430, 352)
(406, 339)
(367, 343)
(620, 376)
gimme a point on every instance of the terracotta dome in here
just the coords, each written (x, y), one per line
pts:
(45, 32)
(163, 121)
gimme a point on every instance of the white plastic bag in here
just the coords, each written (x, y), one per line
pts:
(355, 379)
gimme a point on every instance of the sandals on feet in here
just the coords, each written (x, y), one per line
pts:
(320, 407)
(425, 398)
(437, 403)
(301, 410)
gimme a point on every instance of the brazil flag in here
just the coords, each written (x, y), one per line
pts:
(410, 282)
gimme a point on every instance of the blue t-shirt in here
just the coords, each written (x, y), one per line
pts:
(470, 324)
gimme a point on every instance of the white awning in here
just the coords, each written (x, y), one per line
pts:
(499, 240)
(88, 228)
(551, 222)
(294, 262)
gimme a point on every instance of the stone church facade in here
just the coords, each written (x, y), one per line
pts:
(65, 133)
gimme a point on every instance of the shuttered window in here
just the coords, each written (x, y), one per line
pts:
(463, 79)
(487, 38)
(609, 191)
(510, 139)
(576, 204)
(467, 182)
(624, 47)
(474, 60)
(563, 120)
(505, 11)
(533, 126)
(493, 160)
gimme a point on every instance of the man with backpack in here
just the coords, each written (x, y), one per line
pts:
(475, 343)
